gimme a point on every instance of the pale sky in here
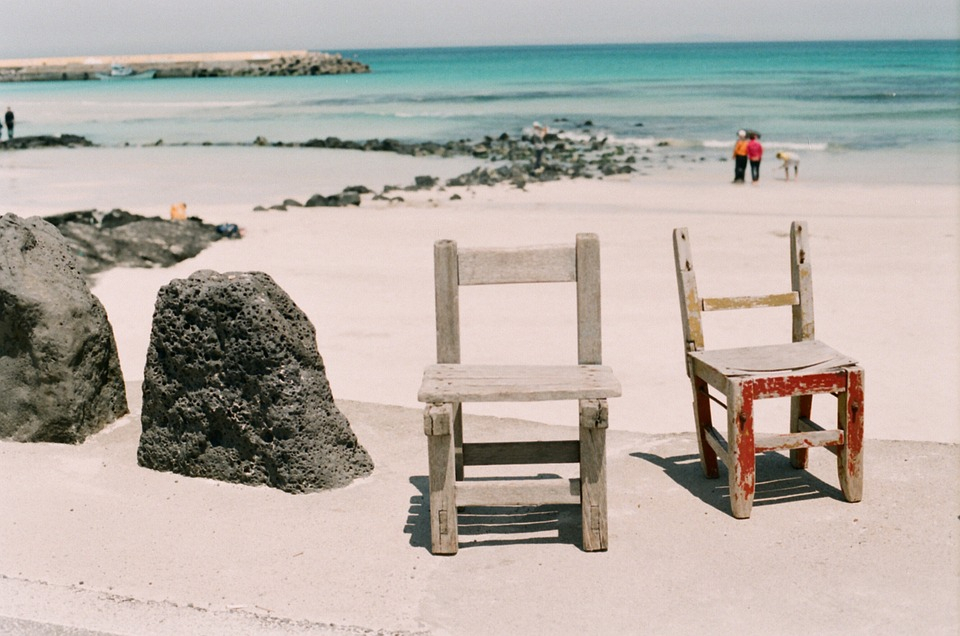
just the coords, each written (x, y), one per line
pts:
(42, 28)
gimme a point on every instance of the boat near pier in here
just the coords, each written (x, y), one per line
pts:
(121, 72)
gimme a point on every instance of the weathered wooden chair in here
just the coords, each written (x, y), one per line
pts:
(448, 384)
(797, 370)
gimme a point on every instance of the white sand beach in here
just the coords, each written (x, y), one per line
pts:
(90, 540)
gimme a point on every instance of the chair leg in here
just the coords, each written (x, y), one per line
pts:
(593, 474)
(800, 406)
(458, 439)
(443, 494)
(742, 467)
(850, 419)
(704, 422)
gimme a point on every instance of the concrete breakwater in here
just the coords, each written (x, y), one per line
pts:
(243, 64)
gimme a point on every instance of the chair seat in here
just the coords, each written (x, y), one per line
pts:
(516, 383)
(794, 358)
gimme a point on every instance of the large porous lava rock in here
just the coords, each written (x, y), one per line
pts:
(60, 376)
(234, 389)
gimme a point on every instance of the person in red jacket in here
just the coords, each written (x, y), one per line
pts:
(754, 154)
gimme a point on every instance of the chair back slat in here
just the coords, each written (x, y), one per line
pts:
(750, 302)
(579, 263)
(800, 299)
(547, 264)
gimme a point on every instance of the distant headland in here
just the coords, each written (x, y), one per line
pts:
(237, 64)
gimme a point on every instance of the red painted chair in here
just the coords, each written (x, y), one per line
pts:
(798, 370)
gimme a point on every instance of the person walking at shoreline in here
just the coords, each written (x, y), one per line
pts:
(740, 157)
(789, 160)
(754, 154)
(8, 118)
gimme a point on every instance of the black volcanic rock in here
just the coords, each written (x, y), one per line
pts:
(60, 377)
(101, 240)
(234, 389)
(44, 141)
(345, 198)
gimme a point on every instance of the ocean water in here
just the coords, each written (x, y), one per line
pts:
(887, 103)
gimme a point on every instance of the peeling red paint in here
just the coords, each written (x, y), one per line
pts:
(704, 420)
(854, 425)
(746, 456)
(792, 386)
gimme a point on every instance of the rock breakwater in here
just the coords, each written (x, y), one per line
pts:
(246, 64)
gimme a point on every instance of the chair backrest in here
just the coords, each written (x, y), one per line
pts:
(692, 305)
(579, 263)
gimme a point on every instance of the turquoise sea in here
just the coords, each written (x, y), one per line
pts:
(838, 100)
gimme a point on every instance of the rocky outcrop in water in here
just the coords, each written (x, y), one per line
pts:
(506, 159)
(101, 240)
(60, 378)
(234, 389)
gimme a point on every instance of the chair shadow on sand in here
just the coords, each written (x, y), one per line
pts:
(496, 525)
(777, 481)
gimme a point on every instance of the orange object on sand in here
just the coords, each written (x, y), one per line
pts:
(178, 212)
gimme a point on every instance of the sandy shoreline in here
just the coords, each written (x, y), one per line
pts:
(90, 540)
(886, 262)
(364, 277)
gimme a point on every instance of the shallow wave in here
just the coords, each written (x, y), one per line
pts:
(452, 97)
(886, 96)
(174, 105)
(898, 115)
(612, 139)
(789, 145)
(682, 143)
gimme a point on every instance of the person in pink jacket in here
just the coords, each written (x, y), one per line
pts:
(754, 154)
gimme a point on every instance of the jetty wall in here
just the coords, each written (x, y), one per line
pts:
(240, 64)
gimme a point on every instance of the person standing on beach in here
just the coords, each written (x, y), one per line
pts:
(790, 160)
(754, 154)
(8, 117)
(539, 136)
(740, 157)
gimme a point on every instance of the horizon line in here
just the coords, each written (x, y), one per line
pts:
(706, 41)
(645, 43)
